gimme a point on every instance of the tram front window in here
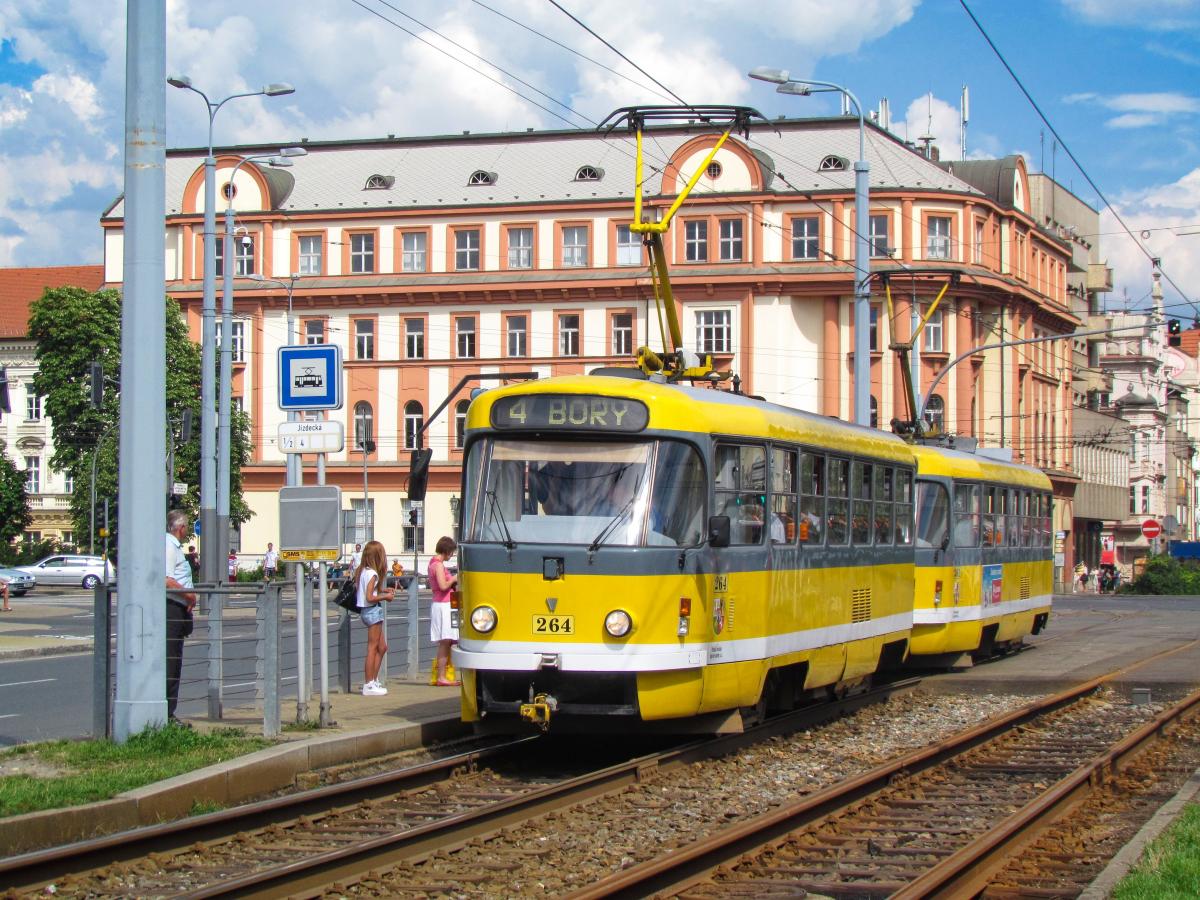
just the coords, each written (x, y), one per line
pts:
(559, 492)
(933, 514)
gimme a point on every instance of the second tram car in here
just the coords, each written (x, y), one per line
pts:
(640, 551)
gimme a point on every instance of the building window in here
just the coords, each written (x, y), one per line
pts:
(243, 255)
(978, 245)
(310, 252)
(414, 338)
(731, 240)
(575, 246)
(238, 330)
(874, 335)
(937, 234)
(878, 236)
(714, 331)
(466, 250)
(414, 535)
(364, 338)
(364, 523)
(874, 412)
(460, 423)
(33, 537)
(67, 539)
(33, 474)
(413, 246)
(68, 483)
(520, 249)
(219, 257)
(935, 414)
(568, 335)
(479, 177)
(464, 328)
(414, 418)
(1146, 498)
(695, 241)
(629, 247)
(1132, 500)
(589, 173)
(713, 170)
(364, 423)
(314, 331)
(806, 236)
(622, 334)
(33, 404)
(362, 253)
(933, 333)
(516, 330)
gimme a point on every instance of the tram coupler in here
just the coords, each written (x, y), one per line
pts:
(538, 710)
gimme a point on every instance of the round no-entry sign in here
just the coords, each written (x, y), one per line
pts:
(1151, 529)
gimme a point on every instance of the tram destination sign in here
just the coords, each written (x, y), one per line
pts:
(570, 412)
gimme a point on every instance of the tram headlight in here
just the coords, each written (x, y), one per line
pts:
(483, 619)
(617, 623)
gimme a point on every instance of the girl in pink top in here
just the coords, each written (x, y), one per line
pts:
(441, 629)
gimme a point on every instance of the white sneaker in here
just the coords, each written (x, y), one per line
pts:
(373, 690)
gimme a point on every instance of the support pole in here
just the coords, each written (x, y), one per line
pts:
(141, 642)
(326, 719)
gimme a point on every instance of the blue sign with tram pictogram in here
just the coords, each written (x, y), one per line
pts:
(310, 377)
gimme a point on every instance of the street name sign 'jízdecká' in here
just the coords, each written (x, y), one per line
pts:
(312, 437)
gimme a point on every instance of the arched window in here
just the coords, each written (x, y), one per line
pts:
(460, 423)
(833, 164)
(589, 173)
(414, 417)
(935, 414)
(364, 423)
(481, 177)
(379, 182)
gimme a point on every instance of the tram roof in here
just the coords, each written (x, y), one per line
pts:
(972, 466)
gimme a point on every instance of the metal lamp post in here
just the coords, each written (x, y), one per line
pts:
(210, 564)
(862, 252)
(225, 395)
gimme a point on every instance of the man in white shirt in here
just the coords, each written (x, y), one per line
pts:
(179, 606)
(270, 562)
(355, 559)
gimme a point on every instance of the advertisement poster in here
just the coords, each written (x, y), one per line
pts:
(991, 584)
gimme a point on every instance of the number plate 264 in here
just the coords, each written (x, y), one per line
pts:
(553, 624)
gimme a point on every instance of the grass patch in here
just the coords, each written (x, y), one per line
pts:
(306, 725)
(86, 771)
(1170, 867)
(199, 808)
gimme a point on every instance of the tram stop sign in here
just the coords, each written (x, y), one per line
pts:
(1151, 529)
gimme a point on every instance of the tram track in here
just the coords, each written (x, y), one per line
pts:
(303, 842)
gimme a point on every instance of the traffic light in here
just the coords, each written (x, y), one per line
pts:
(418, 473)
(412, 517)
(1174, 339)
(96, 375)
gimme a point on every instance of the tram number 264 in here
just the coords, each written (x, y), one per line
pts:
(553, 624)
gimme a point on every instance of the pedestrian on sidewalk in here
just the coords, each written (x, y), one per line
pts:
(270, 562)
(179, 607)
(233, 565)
(193, 559)
(373, 592)
(4, 592)
(441, 626)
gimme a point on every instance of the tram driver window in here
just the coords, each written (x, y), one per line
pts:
(677, 501)
(933, 514)
(740, 490)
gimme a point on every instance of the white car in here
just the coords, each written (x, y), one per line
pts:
(70, 569)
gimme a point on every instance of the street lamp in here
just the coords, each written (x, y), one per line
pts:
(224, 400)
(211, 564)
(862, 255)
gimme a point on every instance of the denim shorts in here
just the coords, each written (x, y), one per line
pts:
(372, 615)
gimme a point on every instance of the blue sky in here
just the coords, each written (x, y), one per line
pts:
(1118, 79)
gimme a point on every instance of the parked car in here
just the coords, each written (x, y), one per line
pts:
(85, 571)
(19, 583)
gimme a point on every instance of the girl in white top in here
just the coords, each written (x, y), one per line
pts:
(371, 579)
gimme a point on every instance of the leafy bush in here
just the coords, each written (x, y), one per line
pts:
(1167, 575)
(23, 553)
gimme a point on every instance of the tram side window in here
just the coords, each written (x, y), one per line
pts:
(1028, 523)
(933, 512)
(677, 501)
(993, 520)
(740, 487)
(1013, 526)
(884, 481)
(860, 482)
(904, 507)
(812, 498)
(839, 503)
(966, 515)
(783, 496)
(1046, 513)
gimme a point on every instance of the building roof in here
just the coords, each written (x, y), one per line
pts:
(20, 287)
(540, 167)
(1189, 342)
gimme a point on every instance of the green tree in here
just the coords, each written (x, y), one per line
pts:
(14, 502)
(74, 327)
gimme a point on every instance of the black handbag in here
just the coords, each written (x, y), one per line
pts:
(347, 596)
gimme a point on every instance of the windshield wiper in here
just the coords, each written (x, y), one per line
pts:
(509, 543)
(611, 525)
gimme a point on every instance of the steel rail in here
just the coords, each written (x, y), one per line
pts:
(686, 866)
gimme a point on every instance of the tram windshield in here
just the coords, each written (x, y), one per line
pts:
(593, 494)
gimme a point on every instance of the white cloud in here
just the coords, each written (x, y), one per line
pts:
(929, 115)
(1152, 15)
(1140, 110)
(79, 94)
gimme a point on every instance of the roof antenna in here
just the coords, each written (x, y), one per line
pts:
(964, 113)
(927, 138)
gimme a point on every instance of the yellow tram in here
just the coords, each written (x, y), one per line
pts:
(634, 550)
(983, 554)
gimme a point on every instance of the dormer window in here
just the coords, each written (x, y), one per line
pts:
(589, 173)
(482, 177)
(379, 182)
(833, 164)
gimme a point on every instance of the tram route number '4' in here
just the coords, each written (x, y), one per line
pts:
(578, 412)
